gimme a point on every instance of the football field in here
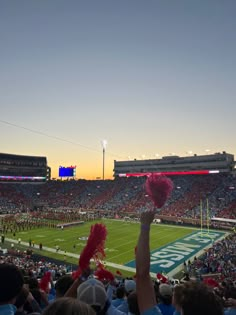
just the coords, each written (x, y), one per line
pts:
(170, 245)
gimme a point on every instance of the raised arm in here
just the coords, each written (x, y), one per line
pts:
(145, 288)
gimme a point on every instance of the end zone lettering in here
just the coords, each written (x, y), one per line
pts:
(181, 250)
(167, 258)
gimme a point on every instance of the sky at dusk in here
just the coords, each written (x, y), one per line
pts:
(152, 77)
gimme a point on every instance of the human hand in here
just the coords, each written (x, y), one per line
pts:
(147, 217)
(30, 297)
(230, 302)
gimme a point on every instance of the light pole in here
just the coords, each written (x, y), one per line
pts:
(104, 144)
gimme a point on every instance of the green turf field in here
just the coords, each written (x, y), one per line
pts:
(121, 240)
(120, 243)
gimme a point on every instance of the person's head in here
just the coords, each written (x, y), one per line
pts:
(33, 283)
(165, 293)
(176, 298)
(197, 298)
(130, 286)
(21, 298)
(133, 303)
(230, 292)
(93, 293)
(67, 305)
(62, 285)
(120, 292)
(11, 283)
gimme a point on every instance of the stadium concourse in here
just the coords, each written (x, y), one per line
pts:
(196, 201)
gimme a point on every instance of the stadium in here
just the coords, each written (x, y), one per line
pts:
(53, 217)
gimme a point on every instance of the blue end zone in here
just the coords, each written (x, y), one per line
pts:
(170, 256)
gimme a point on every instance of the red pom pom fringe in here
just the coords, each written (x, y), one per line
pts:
(44, 282)
(159, 189)
(103, 274)
(93, 249)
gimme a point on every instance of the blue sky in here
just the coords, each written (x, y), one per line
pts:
(150, 77)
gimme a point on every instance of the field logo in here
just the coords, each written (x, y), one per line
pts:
(168, 257)
(83, 238)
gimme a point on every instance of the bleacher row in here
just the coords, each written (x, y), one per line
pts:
(125, 195)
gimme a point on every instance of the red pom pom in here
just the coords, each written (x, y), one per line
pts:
(94, 247)
(76, 274)
(211, 282)
(44, 282)
(162, 278)
(103, 274)
(159, 189)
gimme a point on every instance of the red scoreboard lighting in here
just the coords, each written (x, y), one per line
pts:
(203, 172)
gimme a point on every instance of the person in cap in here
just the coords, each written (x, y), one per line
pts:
(130, 286)
(120, 296)
(165, 299)
(93, 292)
(11, 283)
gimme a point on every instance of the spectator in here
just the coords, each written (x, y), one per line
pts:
(26, 304)
(93, 293)
(10, 286)
(145, 289)
(176, 299)
(67, 305)
(197, 298)
(133, 304)
(165, 298)
(230, 301)
(120, 294)
(130, 286)
(62, 285)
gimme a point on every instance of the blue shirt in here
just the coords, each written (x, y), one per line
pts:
(112, 310)
(7, 309)
(230, 311)
(124, 307)
(117, 302)
(166, 309)
(152, 311)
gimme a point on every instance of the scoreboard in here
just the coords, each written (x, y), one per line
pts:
(69, 171)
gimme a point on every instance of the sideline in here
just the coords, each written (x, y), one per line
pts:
(68, 254)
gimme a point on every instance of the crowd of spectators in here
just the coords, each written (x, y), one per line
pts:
(124, 195)
(220, 260)
(22, 290)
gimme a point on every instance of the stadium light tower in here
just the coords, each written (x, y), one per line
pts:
(104, 144)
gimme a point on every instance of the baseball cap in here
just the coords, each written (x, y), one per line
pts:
(92, 292)
(130, 285)
(165, 290)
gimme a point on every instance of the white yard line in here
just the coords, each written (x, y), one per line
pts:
(68, 254)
